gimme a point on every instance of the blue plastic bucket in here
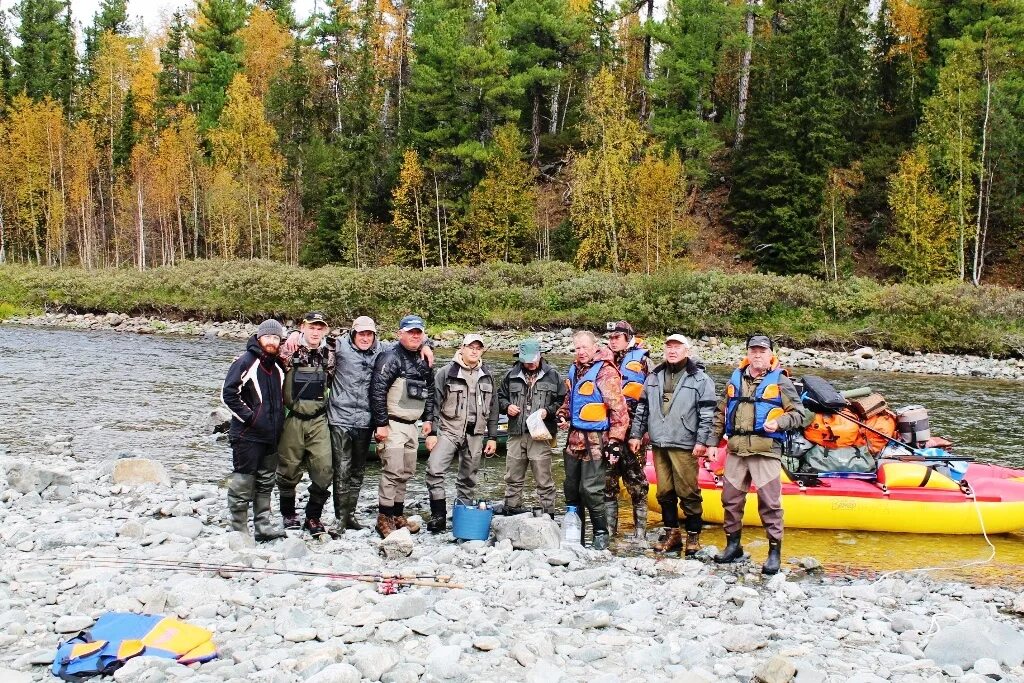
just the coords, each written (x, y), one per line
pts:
(470, 523)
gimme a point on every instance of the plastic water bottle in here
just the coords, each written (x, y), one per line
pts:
(572, 527)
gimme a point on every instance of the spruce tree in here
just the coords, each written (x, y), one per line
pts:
(6, 64)
(112, 17)
(45, 56)
(172, 80)
(217, 57)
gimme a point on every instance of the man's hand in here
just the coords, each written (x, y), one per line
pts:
(771, 426)
(431, 442)
(562, 422)
(382, 434)
(513, 410)
(700, 450)
(290, 345)
(427, 354)
(491, 448)
(427, 428)
(710, 452)
(634, 445)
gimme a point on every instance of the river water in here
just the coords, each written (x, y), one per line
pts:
(149, 396)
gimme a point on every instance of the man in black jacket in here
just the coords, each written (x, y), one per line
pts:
(401, 392)
(531, 385)
(253, 393)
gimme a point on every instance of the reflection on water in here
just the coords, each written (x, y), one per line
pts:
(149, 396)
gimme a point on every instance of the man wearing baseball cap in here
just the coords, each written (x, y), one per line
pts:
(531, 385)
(465, 417)
(676, 411)
(759, 407)
(252, 392)
(401, 392)
(306, 437)
(633, 360)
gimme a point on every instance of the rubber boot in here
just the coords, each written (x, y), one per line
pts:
(315, 509)
(733, 550)
(263, 522)
(774, 561)
(600, 523)
(640, 521)
(288, 514)
(611, 511)
(348, 513)
(241, 491)
(437, 523)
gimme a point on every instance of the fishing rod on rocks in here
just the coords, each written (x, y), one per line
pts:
(386, 583)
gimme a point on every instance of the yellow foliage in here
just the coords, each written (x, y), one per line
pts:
(265, 44)
(407, 215)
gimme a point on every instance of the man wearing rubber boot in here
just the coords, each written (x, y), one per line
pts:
(597, 418)
(634, 364)
(759, 407)
(306, 437)
(677, 412)
(252, 392)
(465, 416)
(401, 392)
(531, 385)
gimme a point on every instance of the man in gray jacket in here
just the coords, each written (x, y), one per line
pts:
(465, 412)
(677, 410)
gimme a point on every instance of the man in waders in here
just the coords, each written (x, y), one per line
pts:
(306, 437)
(401, 392)
(634, 364)
(598, 419)
(759, 407)
(252, 392)
(531, 385)
(465, 426)
(677, 411)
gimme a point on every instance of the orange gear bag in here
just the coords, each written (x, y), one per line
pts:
(884, 422)
(835, 431)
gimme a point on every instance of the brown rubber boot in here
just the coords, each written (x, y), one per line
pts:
(672, 541)
(692, 546)
(385, 524)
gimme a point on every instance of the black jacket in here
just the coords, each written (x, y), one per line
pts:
(392, 364)
(548, 392)
(253, 393)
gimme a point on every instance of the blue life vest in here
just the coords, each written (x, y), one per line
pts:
(586, 404)
(767, 400)
(116, 637)
(634, 371)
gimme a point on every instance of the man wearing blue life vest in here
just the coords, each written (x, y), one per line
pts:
(596, 415)
(759, 407)
(634, 364)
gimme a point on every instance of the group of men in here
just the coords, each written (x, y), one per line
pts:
(310, 402)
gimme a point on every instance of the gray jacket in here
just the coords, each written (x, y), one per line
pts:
(691, 412)
(452, 408)
(349, 402)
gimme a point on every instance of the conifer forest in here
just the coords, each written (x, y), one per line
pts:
(820, 137)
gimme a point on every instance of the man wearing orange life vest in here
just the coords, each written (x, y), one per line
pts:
(634, 364)
(597, 418)
(759, 407)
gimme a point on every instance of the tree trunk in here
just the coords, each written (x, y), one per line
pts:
(741, 110)
(142, 235)
(534, 128)
(645, 104)
(437, 207)
(978, 239)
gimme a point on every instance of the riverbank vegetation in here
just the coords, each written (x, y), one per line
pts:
(824, 136)
(796, 310)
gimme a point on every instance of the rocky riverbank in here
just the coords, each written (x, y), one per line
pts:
(526, 611)
(711, 349)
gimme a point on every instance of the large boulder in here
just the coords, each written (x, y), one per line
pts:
(397, 545)
(136, 471)
(964, 643)
(526, 532)
(25, 478)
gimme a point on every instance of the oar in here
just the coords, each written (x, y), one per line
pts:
(920, 454)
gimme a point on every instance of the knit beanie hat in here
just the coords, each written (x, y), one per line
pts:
(270, 326)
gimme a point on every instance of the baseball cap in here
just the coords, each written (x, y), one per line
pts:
(529, 351)
(677, 338)
(270, 327)
(364, 323)
(470, 338)
(623, 327)
(315, 317)
(761, 341)
(412, 322)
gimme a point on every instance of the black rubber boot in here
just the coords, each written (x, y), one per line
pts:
(317, 499)
(288, 515)
(241, 492)
(438, 510)
(599, 522)
(774, 561)
(263, 523)
(611, 512)
(733, 550)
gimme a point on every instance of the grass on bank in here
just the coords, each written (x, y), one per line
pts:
(798, 311)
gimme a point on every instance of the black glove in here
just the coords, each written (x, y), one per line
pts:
(613, 451)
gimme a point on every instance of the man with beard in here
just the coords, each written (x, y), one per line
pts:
(252, 391)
